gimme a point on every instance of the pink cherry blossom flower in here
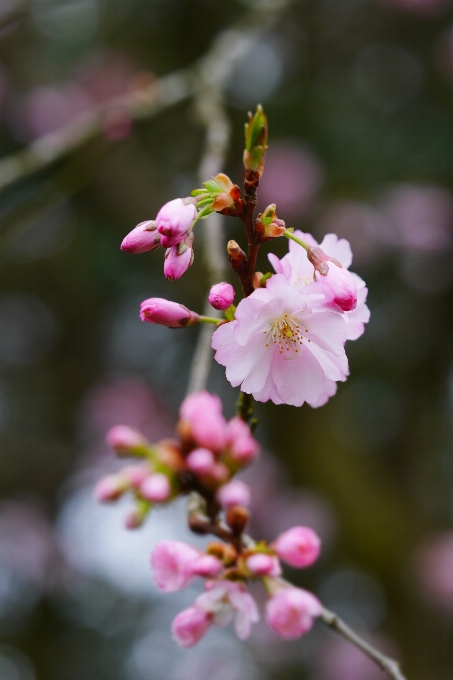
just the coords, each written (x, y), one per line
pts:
(156, 488)
(201, 413)
(299, 546)
(141, 239)
(290, 612)
(174, 220)
(225, 600)
(221, 295)
(283, 345)
(175, 564)
(299, 271)
(234, 493)
(190, 625)
(167, 313)
(261, 564)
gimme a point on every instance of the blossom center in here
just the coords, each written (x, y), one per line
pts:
(285, 333)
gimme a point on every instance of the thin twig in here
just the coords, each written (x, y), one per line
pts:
(54, 146)
(213, 116)
(388, 665)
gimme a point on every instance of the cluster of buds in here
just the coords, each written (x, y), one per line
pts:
(289, 611)
(203, 462)
(171, 229)
(208, 453)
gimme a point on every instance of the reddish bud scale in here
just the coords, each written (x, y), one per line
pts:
(237, 518)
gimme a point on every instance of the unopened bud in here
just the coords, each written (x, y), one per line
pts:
(126, 441)
(237, 518)
(261, 564)
(135, 518)
(135, 474)
(110, 488)
(156, 488)
(141, 239)
(200, 461)
(268, 226)
(169, 454)
(337, 283)
(221, 295)
(237, 257)
(255, 142)
(234, 493)
(223, 551)
(174, 220)
(179, 258)
(167, 313)
(319, 259)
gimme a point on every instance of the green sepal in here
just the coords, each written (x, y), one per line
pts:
(229, 313)
(264, 278)
(212, 186)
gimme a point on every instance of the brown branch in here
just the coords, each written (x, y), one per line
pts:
(388, 665)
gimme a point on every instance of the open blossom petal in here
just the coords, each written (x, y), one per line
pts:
(283, 345)
(356, 320)
(225, 599)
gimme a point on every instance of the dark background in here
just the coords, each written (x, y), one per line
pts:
(359, 96)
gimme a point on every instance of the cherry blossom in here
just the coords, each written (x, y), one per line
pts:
(284, 345)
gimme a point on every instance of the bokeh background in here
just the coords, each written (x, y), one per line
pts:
(359, 95)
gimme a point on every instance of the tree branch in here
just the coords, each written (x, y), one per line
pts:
(389, 666)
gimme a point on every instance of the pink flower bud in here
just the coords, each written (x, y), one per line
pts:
(243, 447)
(190, 625)
(220, 472)
(234, 493)
(202, 414)
(221, 295)
(125, 440)
(141, 239)
(261, 564)
(173, 564)
(334, 280)
(290, 612)
(156, 488)
(110, 488)
(175, 218)
(339, 288)
(177, 262)
(135, 474)
(299, 546)
(167, 313)
(200, 461)
(135, 518)
(208, 566)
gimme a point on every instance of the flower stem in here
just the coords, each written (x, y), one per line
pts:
(210, 319)
(291, 236)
